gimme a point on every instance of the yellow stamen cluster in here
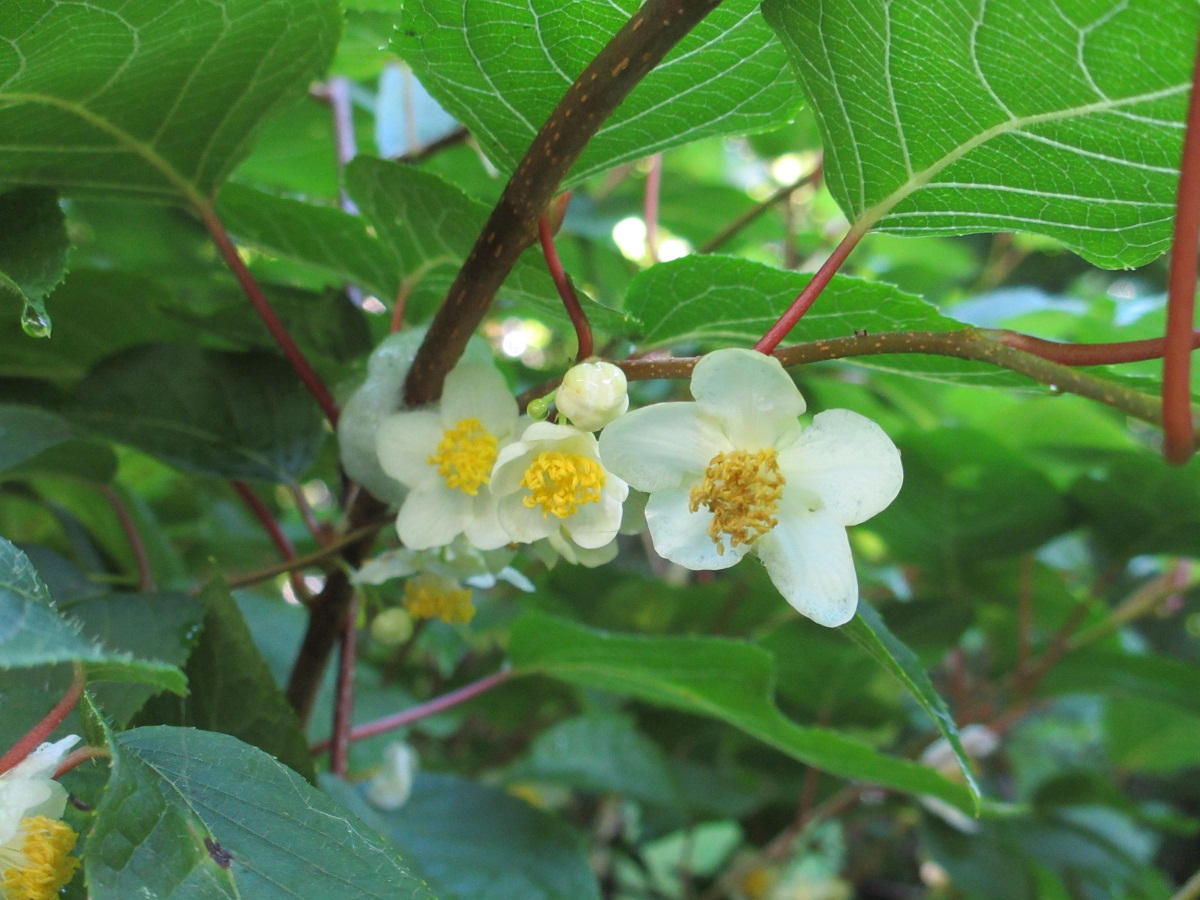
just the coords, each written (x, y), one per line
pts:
(742, 490)
(38, 867)
(465, 456)
(435, 597)
(560, 483)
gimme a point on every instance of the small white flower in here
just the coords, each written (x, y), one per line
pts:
(592, 394)
(390, 787)
(445, 457)
(551, 484)
(734, 473)
(978, 742)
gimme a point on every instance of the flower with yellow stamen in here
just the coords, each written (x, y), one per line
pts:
(430, 596)
(445, 457)
(551, 484)
(34, 841)
(734, 473)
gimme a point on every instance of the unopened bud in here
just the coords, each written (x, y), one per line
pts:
(592, 395)
(540, 408)
(390, 787)
(392, 627)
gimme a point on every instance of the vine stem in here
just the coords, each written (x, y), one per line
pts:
(423, 710)
(42, 730)
(650, 206)
(76, 758)
(753, 213)
(1179, 432)
(308, 376)
(566, 290)
(278, 538)
(141, 557)
(319, 558)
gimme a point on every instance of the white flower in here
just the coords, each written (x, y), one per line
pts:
(390, 787)
(592, 394)
(978, 742)
(34, 842)
(445, 458)
(551, 484)
(734, 473)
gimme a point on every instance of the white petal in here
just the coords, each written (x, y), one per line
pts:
(848, 462)
(433, 515)
(522, 523)
(681, 535)
(656, 447)
(563, 438)
(405, 441)
(582, 556)
(478, 391)
(749, 391)
(808, 558)
(596, 524)
(511, 463)
(484, 531)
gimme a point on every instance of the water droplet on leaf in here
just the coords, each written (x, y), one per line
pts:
(35, 323)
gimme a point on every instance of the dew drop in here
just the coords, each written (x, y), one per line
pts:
(36, 324)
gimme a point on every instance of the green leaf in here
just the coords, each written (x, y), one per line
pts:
(190, 813)
(144, 101)
(867, 629)
(723, 301)
(472, 842)
(26, 431)
(951, 116)
(232, 690)
(500, 69)
(727, 680)
(33, 252)
(34, 633)
(232, 415)
(1126, 676)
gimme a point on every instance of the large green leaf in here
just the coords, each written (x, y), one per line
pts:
(145, 100)
(956, 116)
(33, 252)
(232, 689)
(472, 842)
(232, 415)
(190, 814)
(501, 68)
(727, 680)
(26, 431)
(34, 633)
(1126, 676)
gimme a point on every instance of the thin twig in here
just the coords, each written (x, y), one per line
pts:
(653, 30)
(78, 757)
(1190, 891)
(142, 558)
(319, 558)
(566, 290)
(343, 709)
(734, 228)
(451, 138)
(281, 541)
(650, 205)
(43, 729)
(1179, 431)
(320, 533)
(1087, 354)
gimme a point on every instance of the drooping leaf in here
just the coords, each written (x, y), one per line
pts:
(144, 101)
(473, 842)
(232, 415)
(727, 680)
(191, 813)
(33, 253)
(232, 690)
(953, 116)
(501, 69)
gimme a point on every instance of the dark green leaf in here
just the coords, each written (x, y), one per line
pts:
(194, 814)
(948, 117)
(1127, 676)
(501, 69)
(33, 252)
(232, 415)
(146, 101)
(472, 842)
(726, 680)
(26, 431)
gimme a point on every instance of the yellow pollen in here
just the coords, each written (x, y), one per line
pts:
(742, 490)
(40, 866)
(465, 456)
(429, 596)
(560, 483)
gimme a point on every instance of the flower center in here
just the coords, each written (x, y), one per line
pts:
(434, 597)
(38, 866)
(465, 456)
(560, 483)
(742, 490)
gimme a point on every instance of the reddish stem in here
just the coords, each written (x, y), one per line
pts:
(1179, 435)
(320, 533)
(343, 710)
(263, 307)
(566, 290)
(79, 757)
(650, 212)
(278, 538)
(777, 332)
(42, 730)
(423, 710)
(1087, 354)
(145, 573)
(400, 305)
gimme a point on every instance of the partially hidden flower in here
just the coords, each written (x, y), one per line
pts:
(431, 596)
(445, 457)
(390, 787)
(978, 742)
(735, 473)
(551, 485)
(592, 395)
(34, 841)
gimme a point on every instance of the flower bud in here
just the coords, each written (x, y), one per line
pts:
(392, 627)
(592, 395)
(390, 787)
